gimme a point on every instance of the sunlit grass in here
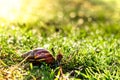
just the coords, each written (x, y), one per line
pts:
(89, 52)
(90, 48)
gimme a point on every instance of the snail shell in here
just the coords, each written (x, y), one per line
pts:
(39, 55)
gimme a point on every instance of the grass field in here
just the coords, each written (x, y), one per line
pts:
(90, 51)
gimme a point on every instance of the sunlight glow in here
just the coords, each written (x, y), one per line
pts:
(9, 9)
(23, 10)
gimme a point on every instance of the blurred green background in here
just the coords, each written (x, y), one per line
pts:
(50, 12)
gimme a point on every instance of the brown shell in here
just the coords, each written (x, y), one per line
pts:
(39, 55)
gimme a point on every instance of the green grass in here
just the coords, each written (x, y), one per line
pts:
(87, 32)
(90, 52)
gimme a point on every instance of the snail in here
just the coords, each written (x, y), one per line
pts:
(37, 56)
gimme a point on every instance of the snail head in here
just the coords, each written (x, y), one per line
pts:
(59, 58)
